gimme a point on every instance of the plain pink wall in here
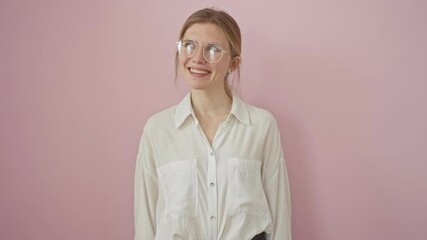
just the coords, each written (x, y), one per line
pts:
(346, 81)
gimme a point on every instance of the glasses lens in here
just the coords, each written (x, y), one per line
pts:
(212, 52)
(186, 48)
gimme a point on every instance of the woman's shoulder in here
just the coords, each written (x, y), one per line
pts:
(161, 119)
(260, 115)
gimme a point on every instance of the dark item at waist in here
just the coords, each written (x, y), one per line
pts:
(260, 236)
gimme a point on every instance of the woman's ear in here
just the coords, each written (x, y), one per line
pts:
(235, 62)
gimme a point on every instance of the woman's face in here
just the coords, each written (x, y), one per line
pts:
(196, 70)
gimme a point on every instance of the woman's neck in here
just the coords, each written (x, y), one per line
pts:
(210, 104)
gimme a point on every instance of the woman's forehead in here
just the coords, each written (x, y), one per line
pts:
(205, 32)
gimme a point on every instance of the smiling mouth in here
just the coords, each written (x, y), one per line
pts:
(198, 72)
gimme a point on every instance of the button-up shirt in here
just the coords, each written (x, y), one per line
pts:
(234, 189)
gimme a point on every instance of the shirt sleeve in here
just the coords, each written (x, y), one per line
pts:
(276, 185)
(145, 192)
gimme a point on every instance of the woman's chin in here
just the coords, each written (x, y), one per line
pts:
(197, 84)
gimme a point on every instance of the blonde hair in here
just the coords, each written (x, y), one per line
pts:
(227, 25)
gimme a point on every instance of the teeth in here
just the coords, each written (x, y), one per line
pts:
(198, 71)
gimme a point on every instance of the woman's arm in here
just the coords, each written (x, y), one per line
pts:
(146, 192)
(276, 185)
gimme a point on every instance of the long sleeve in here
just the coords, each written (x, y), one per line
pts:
(146, 192)
(276, 186)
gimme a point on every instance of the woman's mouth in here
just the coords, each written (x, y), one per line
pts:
(198, 72)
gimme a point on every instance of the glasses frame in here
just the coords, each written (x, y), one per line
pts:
(197, 48)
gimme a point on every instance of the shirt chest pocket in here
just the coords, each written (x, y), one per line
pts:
(178, 185)
(245, 194)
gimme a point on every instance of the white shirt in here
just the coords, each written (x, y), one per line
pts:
(233, 190)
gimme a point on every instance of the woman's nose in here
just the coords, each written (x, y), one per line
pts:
(198, 56)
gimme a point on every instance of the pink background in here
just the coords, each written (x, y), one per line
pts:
(346, 81)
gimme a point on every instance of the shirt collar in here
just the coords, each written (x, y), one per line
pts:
(240, 110)
(184, 109)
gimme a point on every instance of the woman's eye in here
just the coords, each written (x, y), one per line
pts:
(214, 49)
(189, 45)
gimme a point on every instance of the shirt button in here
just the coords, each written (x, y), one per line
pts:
(212, 218)
(211, 153)
(212, 184)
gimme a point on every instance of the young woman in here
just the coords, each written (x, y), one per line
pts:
(211, 167)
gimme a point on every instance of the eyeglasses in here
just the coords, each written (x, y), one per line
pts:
(212, 52)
